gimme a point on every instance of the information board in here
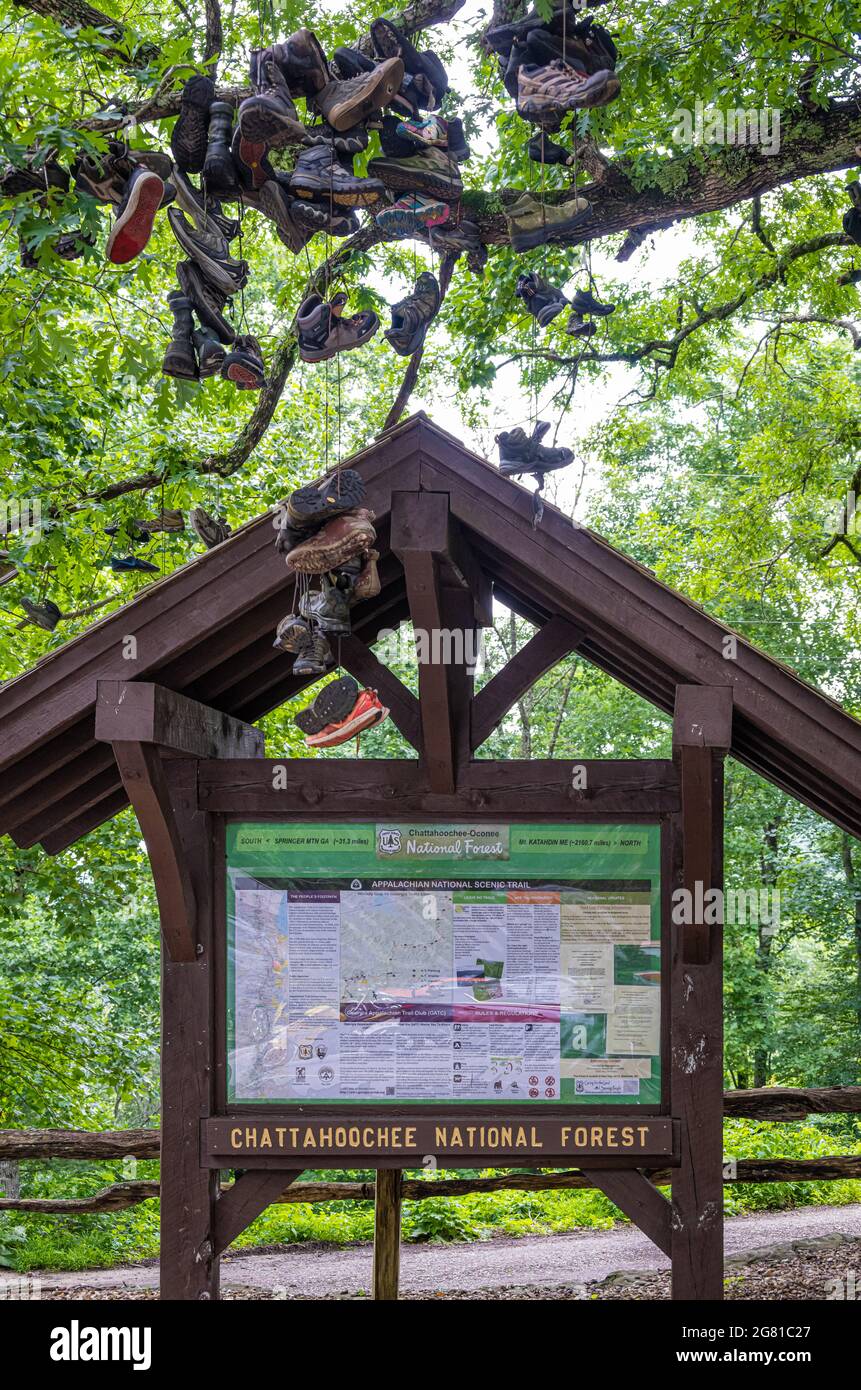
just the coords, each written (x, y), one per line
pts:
(456, 963)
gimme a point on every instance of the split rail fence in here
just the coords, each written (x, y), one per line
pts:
(391, 1188)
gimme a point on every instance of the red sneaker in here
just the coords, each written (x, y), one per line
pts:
(366, 712)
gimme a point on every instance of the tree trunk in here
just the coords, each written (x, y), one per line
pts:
(10, 1179)
(854, 880)
(768, 861)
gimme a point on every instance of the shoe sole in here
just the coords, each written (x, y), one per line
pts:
(215, 273)
(252, 154)
(319, 503)
(261, 123)
(247, 378)
(350, 729)
(334, 702)
(549, 314)
(308, 186)
(351, 113)
(525, 241)
(412, 181)
(133, 229)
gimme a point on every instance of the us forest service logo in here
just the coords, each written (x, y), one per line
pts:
(388, 840)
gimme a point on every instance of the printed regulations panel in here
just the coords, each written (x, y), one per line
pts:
(443, 963)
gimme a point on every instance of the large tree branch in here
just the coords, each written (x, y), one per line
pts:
(77, 14)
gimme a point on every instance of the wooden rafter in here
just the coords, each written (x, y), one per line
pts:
(541, 653)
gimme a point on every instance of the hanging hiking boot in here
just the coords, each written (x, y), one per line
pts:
(319, 173)
(252, 167)
(334, 702)
(412, 317)
(518, 56)
(543, 150)
(458, 146)
(346, 142)
(243, 364)
(205, 212)
(180, 359)
(391, 42)
(168, 519)
(328, 607)
(345, 104)
(129, 564)
(584, 302)
(577, 327)
(275, 201)
(546, 94)
(316, 503)
(210, 251)
(852, 225)
(71, 246)
(323, 331)
(45, 615)
(394, 146)
(523, 453)
(303, 63)
(35, 173)
(339, 540)
(461, 238)
(269, 117)
(316, 216)
(546, 48)
(531, 223)
(365, 713)
(542, 299)
(211, 530)
(189, 135)
(293, 634)
(207, 301)
(135, 216)
(366, 583)
(315, 657)
(433, 172)
(219, 171)
(412, 213)
(210, 352)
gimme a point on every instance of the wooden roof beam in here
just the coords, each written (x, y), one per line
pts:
(541, 653)
(141, 712)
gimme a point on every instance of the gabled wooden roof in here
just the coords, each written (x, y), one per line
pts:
(206, 631)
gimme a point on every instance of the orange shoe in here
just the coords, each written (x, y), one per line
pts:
(366, 712)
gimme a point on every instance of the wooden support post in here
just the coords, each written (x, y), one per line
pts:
(189, 1265)
(701, 737)
(387, 1234)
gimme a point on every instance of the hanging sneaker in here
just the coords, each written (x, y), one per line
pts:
(328, 607)
(315, 658)
(339, 540)
(577, 327)
(316, 503)
(135, 216)
(219, 172)
(210, 352)
(318, 216)
(168, 519)
(366, 712)
(188, 137)
(206, 212)
(208, 302)
(129, 564)
(180, 358)
(270, 117)
(424, 132)
(243, 364)
(45, 615)
(531, 223)
(432, 172)
(391, 42)
(411, 213)
(546, 94)
(543, 150)
(523, 453)
(275, 201)
(331, 704)
(518, 56)
(348, 142)
(394, 146)
(584, 302)
(345, 104)
(211, 253)
(319, 173)
(412, 317)
(461, 238)
(543, 301)
(323, 331)
(212, 530)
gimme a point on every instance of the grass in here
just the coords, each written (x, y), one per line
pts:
(30, 1242)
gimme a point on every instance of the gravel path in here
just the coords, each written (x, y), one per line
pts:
(546, 1262)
